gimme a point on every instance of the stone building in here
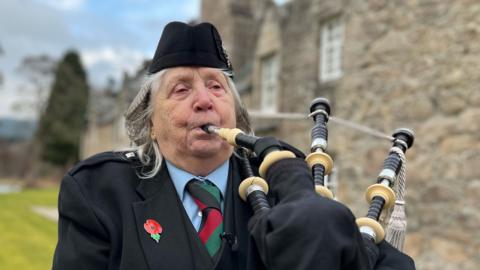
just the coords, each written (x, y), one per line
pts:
(106, 128)
(383, 64)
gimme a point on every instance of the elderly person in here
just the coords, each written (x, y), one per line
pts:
(172, 202)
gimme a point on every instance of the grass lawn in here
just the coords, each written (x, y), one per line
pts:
(27, 240)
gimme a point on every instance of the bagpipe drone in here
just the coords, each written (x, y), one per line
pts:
(387, 193)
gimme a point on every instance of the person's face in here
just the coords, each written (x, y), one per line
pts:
(186, 99)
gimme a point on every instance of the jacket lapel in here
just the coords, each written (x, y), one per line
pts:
(237, 214)
(179, 246)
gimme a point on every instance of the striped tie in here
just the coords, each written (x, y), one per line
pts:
(207, 197)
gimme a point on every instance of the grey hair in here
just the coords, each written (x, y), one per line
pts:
(139, 125)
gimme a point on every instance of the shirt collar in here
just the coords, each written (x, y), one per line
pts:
(180, 177)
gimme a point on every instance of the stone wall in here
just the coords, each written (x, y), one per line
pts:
(106, 124)
(411, 63)
(237, 23)
(267, 44)
(108, 137)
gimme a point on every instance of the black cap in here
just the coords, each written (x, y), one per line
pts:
(185, 45)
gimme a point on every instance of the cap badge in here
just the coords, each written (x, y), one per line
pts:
(225, 54)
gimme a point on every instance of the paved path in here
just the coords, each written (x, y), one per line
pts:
(47, 212)
(9, 188)
(50, 213)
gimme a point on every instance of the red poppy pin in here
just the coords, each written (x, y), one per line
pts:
(153, 228)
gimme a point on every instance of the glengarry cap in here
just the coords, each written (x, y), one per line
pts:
(180, 45)
(185, 45)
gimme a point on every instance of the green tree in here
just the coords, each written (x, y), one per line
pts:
(64, 120)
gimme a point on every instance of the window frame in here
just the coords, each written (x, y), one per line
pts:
(269, 86)
(331, 49)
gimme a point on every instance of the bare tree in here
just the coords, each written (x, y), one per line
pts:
(1, 75)
(38, 71)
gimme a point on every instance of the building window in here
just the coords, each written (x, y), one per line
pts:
(331, 40)
(269, 83)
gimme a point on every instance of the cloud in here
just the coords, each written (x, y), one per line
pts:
(7, 102)
(27, 28)
(67, 5)
(111, 62)
(190, 9)
(10, 99)
(111, 36)
(33, 21)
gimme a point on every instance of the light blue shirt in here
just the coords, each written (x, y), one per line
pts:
(180, 178)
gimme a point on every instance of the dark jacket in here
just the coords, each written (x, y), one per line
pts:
(103, 206)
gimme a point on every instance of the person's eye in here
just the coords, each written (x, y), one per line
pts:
(180, 89)
(215, 86)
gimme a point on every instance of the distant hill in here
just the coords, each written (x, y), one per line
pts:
(12, 129)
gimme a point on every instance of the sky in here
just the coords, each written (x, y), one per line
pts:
(112, 36)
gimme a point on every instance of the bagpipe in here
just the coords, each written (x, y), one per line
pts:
(384, 195)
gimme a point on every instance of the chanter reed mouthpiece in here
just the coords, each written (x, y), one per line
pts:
(210, 129)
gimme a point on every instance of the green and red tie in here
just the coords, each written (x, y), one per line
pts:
(207, 197)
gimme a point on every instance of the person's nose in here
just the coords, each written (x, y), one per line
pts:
(203, 100)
